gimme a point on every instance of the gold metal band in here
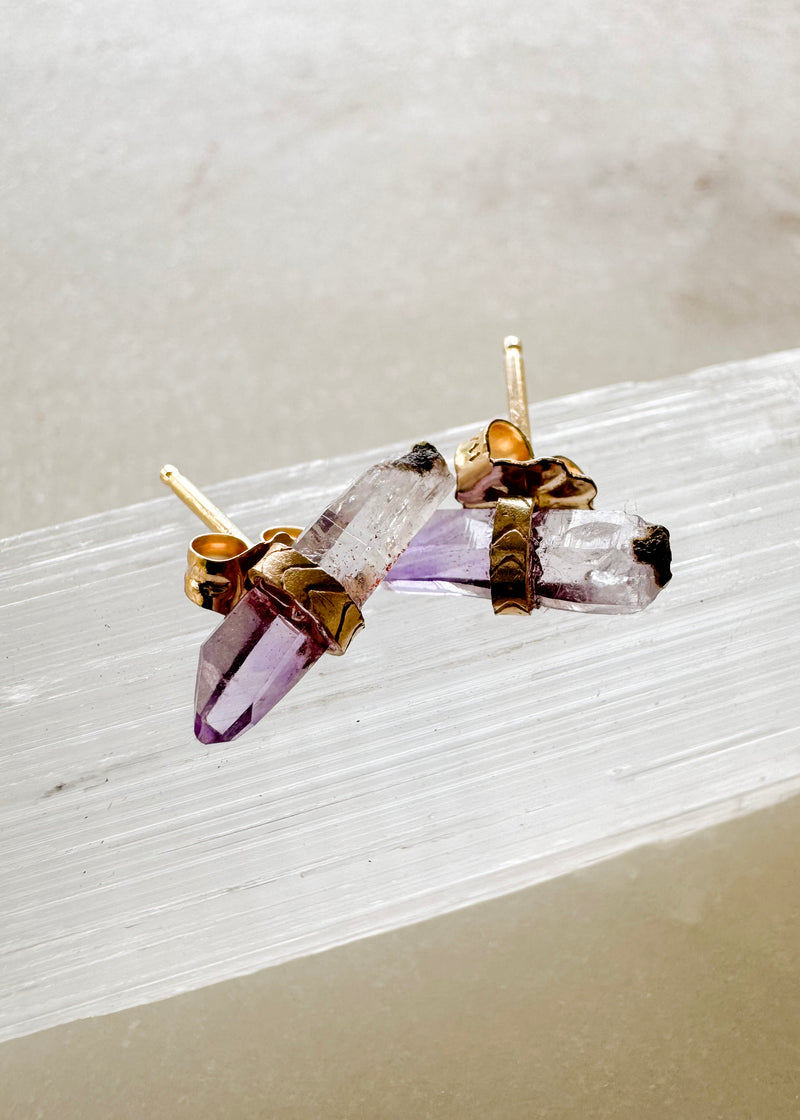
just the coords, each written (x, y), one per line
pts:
(319, 594)
(223, 566)
(509, 557)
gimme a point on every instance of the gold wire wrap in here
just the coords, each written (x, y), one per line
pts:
(319, 594)
(223, 566)
(509, 557)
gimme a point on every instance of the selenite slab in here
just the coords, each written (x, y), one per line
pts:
(451, 756)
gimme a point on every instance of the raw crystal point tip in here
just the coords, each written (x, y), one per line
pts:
(268, 641)
(259, 652)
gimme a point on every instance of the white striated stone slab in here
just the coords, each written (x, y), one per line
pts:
(451, 756)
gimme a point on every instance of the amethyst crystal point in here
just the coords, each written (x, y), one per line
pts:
(598, 561)
(450, 555)
(583, 559)
(250, 662)
(362, 533)
(268, 641)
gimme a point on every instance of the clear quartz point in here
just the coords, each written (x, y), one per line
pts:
(267, 642)
(599, 561)
(360, 535)
(582, 559)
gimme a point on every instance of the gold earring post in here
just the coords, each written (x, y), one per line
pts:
(199, 504)
(515, 385)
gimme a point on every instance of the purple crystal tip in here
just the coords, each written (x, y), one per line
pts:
(207, 734)
(250, 662)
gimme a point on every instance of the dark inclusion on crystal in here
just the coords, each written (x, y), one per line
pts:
(654, 549)
(422, 457)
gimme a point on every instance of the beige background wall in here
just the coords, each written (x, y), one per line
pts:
(244, 234)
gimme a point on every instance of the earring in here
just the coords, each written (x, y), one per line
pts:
(295, 595)
(542, 544)
(499, 462)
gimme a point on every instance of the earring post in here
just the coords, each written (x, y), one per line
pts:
(515, 385)
(199, 504)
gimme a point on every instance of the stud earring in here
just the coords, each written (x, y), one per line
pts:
(293, 595)
(542, 544)
(499, 462)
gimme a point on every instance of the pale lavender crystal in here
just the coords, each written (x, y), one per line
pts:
(360, 535)
(449, 556)
(598, 561)
(583, 560)
(268, 641)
